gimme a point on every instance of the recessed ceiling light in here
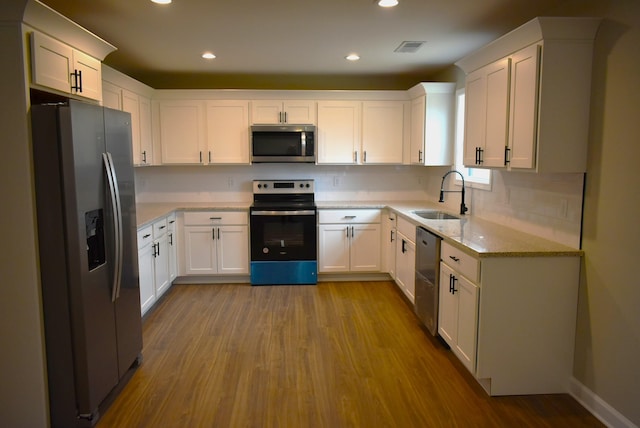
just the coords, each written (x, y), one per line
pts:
(352, 57)
(387, 3)
(161, 1)
(208, 55)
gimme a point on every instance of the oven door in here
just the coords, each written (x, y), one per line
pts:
(283, 235)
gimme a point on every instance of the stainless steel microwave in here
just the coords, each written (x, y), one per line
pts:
(283, 143)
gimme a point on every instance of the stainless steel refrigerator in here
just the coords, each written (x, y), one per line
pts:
(86, 214)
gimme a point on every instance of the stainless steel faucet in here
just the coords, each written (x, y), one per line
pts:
(463, 207)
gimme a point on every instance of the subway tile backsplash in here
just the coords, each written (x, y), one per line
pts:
(548, 205)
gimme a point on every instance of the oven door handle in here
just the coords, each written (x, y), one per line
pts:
(280, 213)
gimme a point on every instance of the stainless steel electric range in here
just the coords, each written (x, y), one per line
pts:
(283, 227)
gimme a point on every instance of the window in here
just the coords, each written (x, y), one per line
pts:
(473, 177)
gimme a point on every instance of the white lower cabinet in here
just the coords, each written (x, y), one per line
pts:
(406, 257)
(458, 319)
(389, 236)
(154, 260)
(349, 241)
(216, 242)
(145, 268)
(510, 320)
(173, 246)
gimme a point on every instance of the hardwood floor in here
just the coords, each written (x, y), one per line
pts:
(344, 354)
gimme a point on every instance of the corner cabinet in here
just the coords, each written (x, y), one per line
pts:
(432, 123)
(527, 97)
(155, 260)
(216, 242)
(349, 241)
(510, 320)
(58, 66)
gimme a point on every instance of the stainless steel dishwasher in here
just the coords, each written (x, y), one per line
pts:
(427, 275)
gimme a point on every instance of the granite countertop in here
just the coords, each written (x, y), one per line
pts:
(476, 236)
(149, 212)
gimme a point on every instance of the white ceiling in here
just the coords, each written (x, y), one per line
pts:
(261, 40)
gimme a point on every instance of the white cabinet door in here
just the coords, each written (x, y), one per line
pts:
(339, 132)
(406, 265)
(418, 112)
(146, 139)
(299, 112)
(228, 132)
(161, 265)
(523, 106)
(89, 77)
(200, 250)
(448, 307)
(111, 96)
(266, 112)
(51, 62)
(182, 131)
(458, 315)
(173, 247)
(497, 111)
(233, 249)
(383, 131)
(131, 105)
(365, 248)
(467, 321)
(146, 275)
(333, 244)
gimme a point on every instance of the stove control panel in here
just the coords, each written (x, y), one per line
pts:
(282, 186)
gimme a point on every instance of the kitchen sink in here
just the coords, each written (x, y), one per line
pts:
(435, 215)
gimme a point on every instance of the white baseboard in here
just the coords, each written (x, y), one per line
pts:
(598, 407)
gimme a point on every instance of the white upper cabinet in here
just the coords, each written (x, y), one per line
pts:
(383, 131)
(227, 132)
(294, 112)
(182, 131)
(58, 66)
(362, 132)
(528, 96)
(339, 131)
(432, 123)
(486, 114)
(140, 109)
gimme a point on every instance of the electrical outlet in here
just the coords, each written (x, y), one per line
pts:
(230, 182)
(564, 208)
(336, 181)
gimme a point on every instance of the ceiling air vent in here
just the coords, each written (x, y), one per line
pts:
(409, 47)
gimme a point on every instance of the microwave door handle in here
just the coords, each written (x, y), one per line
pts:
(303, 143)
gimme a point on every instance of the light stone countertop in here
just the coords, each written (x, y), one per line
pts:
(476, 236)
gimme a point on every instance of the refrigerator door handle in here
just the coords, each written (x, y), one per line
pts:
(117, 220)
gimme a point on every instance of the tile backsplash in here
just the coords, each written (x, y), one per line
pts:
(548, 205)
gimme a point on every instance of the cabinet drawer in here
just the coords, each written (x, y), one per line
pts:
(467, 265)
(145, 236)
(159, 228)
(349, 216)
(171, 223)
(206, 218)
(407, 228)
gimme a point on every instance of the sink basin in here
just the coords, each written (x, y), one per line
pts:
(435, 215)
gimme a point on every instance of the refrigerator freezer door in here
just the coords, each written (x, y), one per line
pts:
(127, 305)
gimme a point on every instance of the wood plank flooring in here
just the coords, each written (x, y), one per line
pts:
(343, 354)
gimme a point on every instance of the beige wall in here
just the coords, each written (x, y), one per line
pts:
(608, 339)
(22, 375)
